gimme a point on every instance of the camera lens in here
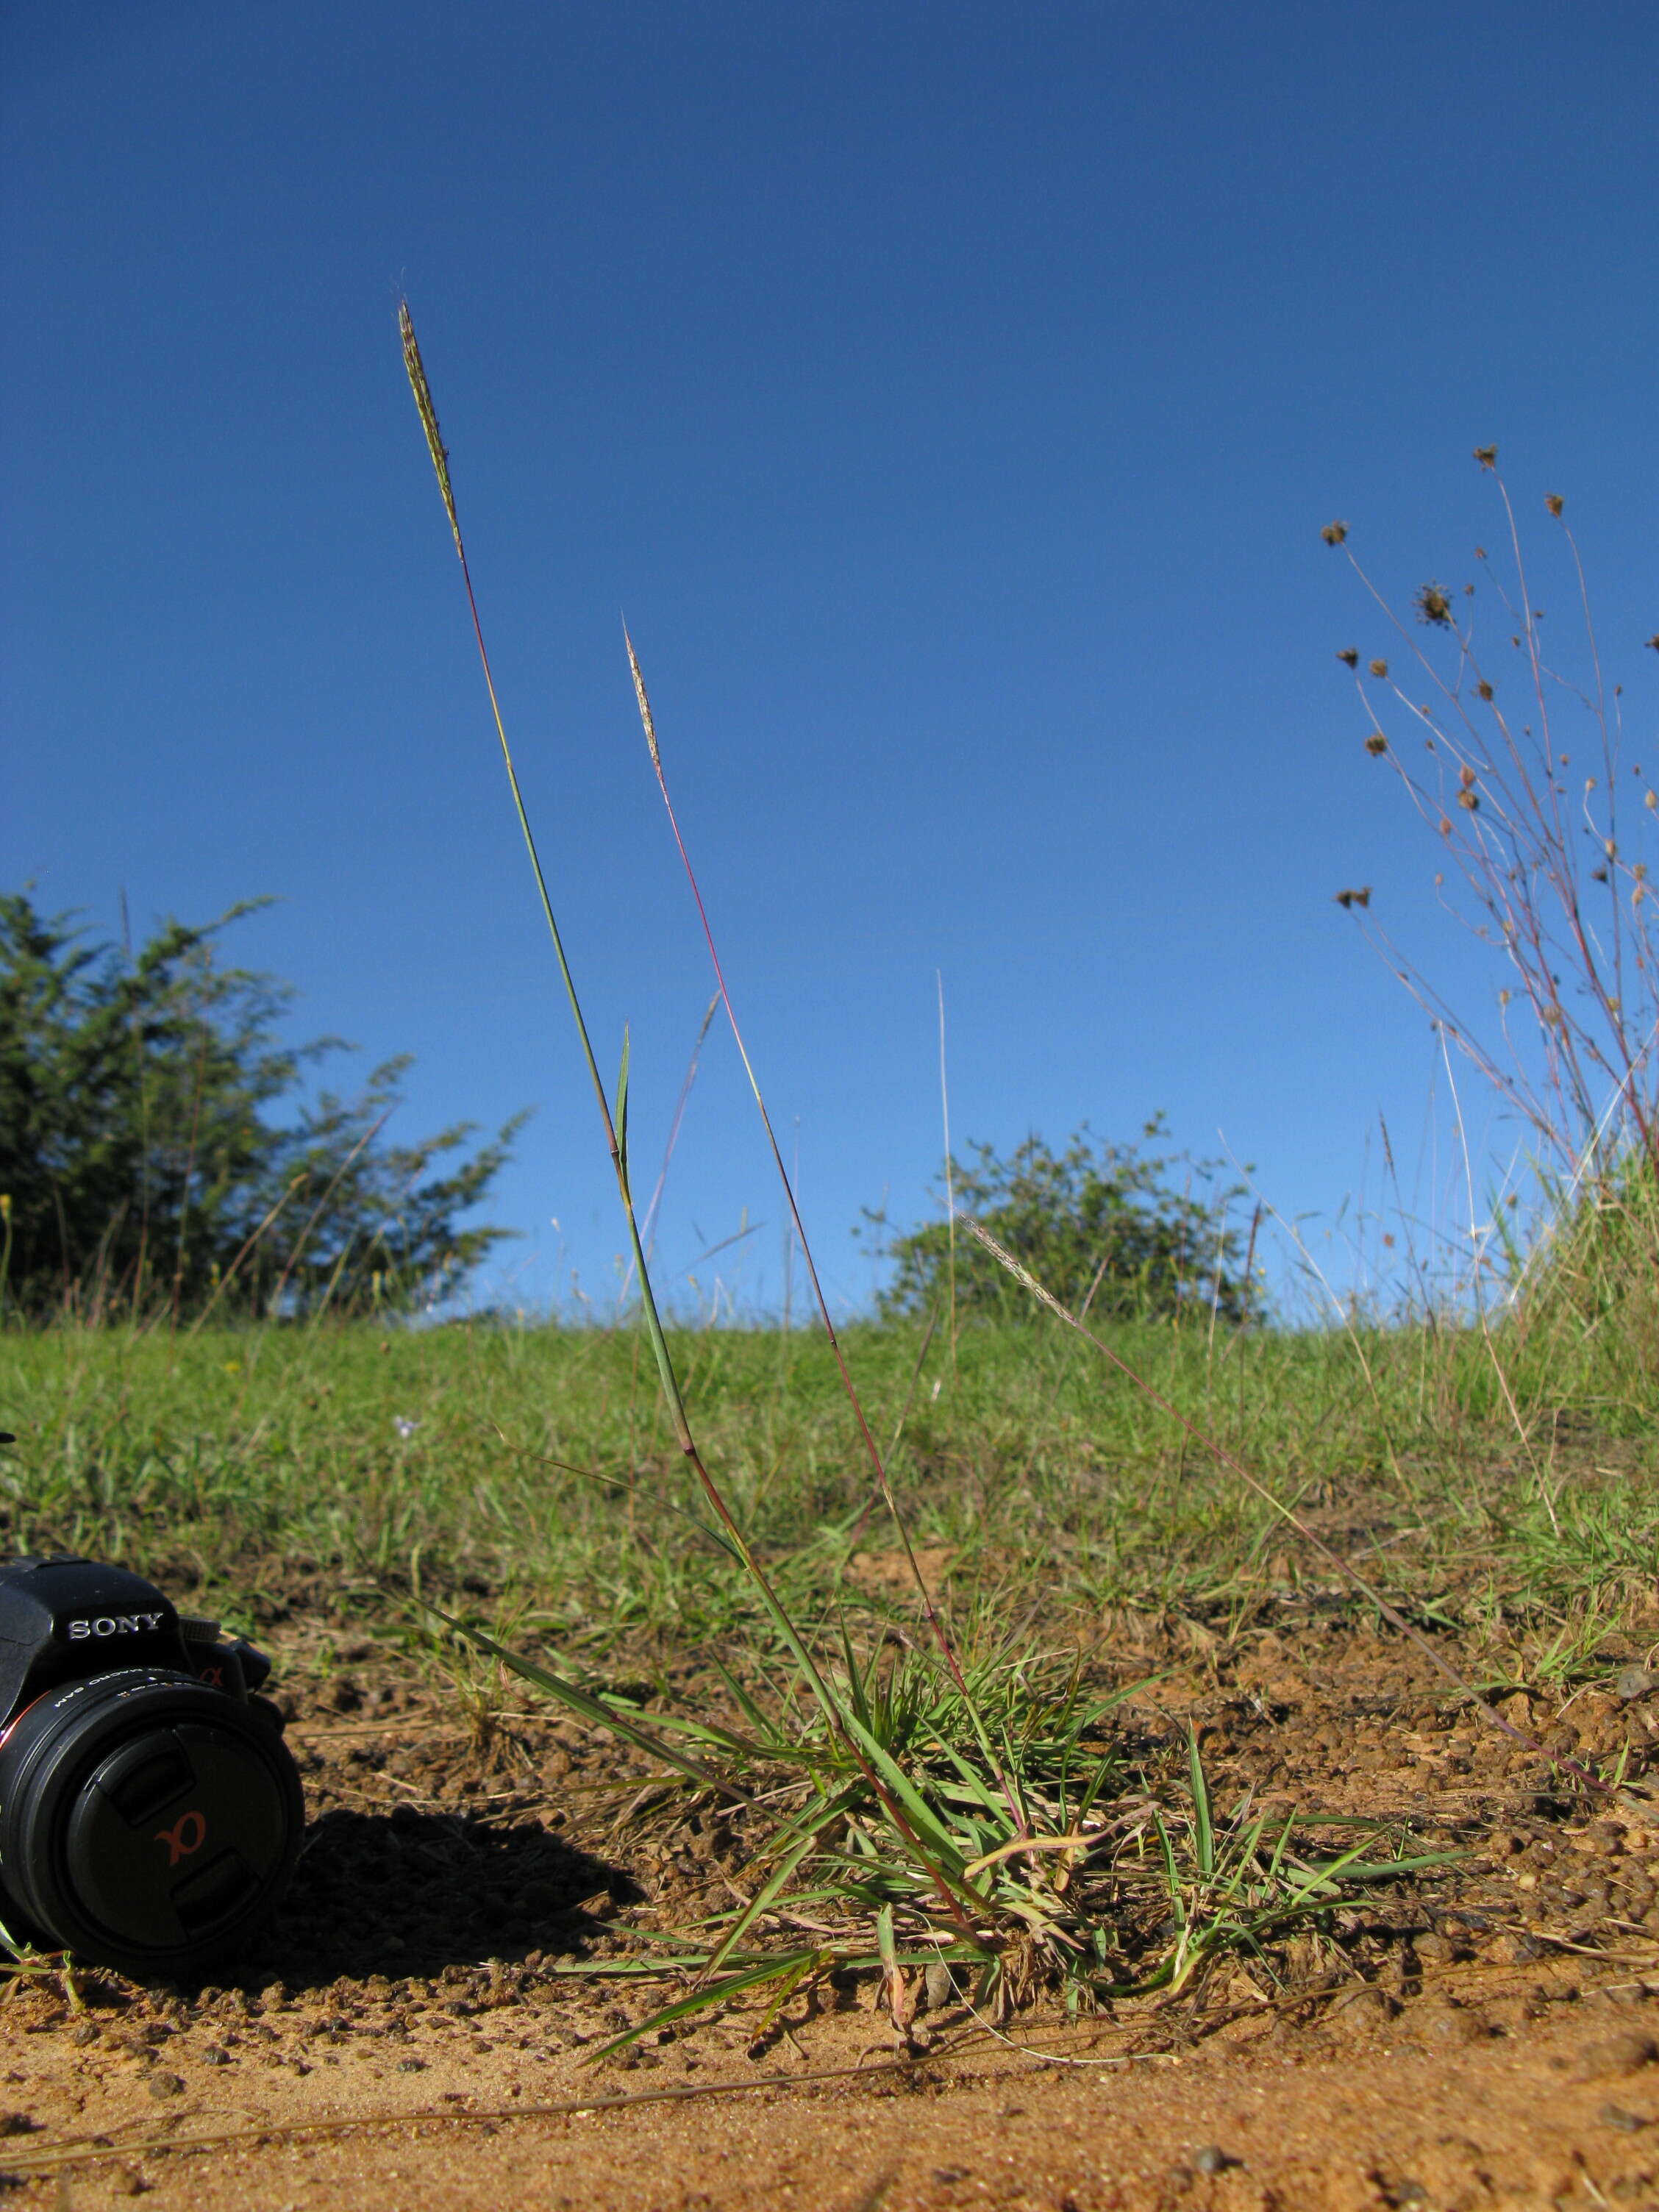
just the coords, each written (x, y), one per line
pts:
(148, 1822)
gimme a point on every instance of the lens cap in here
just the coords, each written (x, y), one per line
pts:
(148, 1822)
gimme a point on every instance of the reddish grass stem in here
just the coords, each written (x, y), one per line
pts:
(941, 1634)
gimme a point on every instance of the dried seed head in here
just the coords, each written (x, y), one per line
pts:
(1361, 897)
(1553, 501)
(1466, 776)
(1484, 689)
(1334, 532)
(1445, 826)
(1598, 875)
(1653, 642)
(429, 414)
(1376, 742)
(1432, 605)
(1468, 799)
(1504, 998)
(1650, 801)
(1487, 456)
(1379, 668)
(644, 703)
(1349, 657)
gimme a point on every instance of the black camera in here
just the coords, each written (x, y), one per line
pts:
(150, 1812)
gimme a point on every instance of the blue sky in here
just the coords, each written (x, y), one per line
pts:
(949, 397)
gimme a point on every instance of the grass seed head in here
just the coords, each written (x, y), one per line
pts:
(645, 703)
(1376, 742)
(429, 414)
(1349, 656)
(1333, 533)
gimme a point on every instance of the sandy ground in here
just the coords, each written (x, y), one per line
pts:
(1454, 2115)
(1487, 2036)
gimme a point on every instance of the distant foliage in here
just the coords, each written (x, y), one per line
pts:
(1095, 1215)
(157, 1149)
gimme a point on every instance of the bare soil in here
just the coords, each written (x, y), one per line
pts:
(429, 2000)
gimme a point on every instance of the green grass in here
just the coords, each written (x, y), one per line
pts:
(541, 1468)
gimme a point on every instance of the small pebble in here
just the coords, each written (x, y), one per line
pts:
(940, 1985)
(1634, 1682)
(86, 2033)
(162, 2084)
(215, 2055)
(122, 2181)
(1212, 2158)
(15, 2124)
(410, 2065)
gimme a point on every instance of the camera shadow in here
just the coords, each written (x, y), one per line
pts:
(409, 1893)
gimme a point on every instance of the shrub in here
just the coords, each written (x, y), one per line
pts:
(1096, 1219)
(139, 1164)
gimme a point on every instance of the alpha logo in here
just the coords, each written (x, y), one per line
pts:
(187, 1835)
(116, 1623)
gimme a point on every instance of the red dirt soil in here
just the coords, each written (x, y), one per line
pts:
(1484, 2036)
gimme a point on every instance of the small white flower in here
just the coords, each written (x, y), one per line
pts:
(405, 1426)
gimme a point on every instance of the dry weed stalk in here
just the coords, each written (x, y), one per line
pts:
(1547, 858)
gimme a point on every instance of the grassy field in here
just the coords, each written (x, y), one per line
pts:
(535, 1467)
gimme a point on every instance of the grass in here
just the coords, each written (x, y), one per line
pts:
(537, 1465)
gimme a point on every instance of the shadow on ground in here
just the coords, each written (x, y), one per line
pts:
(411, 1893)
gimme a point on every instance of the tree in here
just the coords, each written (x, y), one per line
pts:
(1095, 1215)
(141, 1161)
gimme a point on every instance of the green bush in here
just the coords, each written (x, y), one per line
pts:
(140, 1165)
(1096, 1219)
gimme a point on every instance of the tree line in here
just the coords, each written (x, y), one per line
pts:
(162, 1149)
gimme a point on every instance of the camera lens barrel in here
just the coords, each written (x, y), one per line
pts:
(147, 1821)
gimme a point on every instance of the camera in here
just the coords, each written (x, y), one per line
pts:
(150, 1812)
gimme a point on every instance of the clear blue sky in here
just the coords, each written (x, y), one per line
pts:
(949, 397)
